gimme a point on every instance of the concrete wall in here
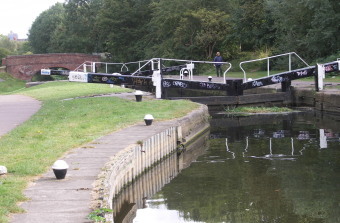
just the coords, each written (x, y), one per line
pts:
(134, 160)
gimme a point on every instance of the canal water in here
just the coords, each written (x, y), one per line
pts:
(264, 168)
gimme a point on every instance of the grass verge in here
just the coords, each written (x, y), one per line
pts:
(60, 125)
(257, 110)
(9, 84)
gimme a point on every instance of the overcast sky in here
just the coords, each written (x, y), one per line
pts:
(18, 15)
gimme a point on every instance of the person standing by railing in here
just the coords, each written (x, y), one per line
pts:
(218, 66)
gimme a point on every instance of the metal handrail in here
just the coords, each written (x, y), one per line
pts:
(152, 61)
(204, 62)
(82, 65)
(141, 67)
(267, 58)
(139, 63)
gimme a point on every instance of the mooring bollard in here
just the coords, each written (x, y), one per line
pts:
(148, 119)
(3, 170)
(138, 95)
(210, 78)
(60, 169)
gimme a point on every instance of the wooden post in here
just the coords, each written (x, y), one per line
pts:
(285, 85)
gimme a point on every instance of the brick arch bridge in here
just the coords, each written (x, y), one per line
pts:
(26, 66)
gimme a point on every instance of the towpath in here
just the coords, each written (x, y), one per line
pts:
(69, 200)
(14, 110)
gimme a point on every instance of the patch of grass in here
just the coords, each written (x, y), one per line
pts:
(98, 215)
(60, 125)
(331, 77)
(52, 91)
(9, 83)
(257, 110)
(333, 87)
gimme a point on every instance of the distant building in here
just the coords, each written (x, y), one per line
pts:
(12, 36)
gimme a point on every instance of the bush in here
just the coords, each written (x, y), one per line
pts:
(330, 58)
(4, 53)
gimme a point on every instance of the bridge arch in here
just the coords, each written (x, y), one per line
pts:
(24, 67)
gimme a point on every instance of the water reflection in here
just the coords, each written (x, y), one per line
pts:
(282, 169)
(324, 136)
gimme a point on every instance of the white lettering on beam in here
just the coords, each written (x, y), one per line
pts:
(78, 77)
(257, 83)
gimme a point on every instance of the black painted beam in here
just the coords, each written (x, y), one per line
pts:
(186, 84)
(280, 78)
(119, 79)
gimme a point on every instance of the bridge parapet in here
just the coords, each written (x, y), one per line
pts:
(24, 67)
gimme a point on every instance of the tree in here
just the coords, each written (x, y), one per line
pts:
(309, 27)
(3, 53)
(78, 31)
(252, 25)
(214, 28)
(122, 25)
(42, 28)
(187, 29)
(133, 30)
(202, 30)
(9, 45)
(323, 36)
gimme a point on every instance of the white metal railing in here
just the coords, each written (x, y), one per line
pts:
(155, 65)
(192, 62)
(92, 65)
(146, 62)
(268, 64)
(83, 67)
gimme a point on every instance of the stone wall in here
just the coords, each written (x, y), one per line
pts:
(325, 101)
(134, 160)
(155, 179)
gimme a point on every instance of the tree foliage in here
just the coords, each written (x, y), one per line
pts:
(307, 26)
(42, 29)
(252, 25)
(3, 53)
(12, 47)
(141, 29)
(122, 25)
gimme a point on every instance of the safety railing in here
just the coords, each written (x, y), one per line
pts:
(152, 62)
(185, 67)
(191, 66)
(84, 66)
(268, 63)
(92, 66)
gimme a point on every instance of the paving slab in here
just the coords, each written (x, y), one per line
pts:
(38, 217)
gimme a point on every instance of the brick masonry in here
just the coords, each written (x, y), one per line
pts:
(24, 67)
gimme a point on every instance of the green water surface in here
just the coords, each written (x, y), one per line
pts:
(283, 169)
